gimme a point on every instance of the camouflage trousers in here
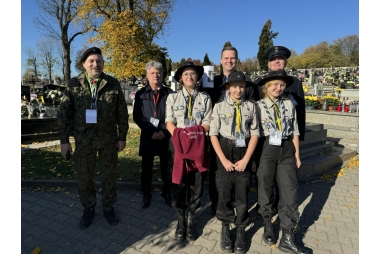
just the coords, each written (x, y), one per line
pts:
(85, 164)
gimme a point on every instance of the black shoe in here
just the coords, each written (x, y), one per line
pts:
(145, 202)
(180, 232)
(268, 236)
(190, 227)
(225, 239)
(111, 217)
(288, 245)
(240, 245)
(87, 217)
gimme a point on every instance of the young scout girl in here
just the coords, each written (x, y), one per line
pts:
(234, 134)
(187, 108)
(279, 159)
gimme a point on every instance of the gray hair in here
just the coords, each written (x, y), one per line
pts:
(229, 48)
(154, 64)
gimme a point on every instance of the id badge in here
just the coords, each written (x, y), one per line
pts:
(275, 138)
(189, 123)
(154, 121)
(240, 139)
(91, 115)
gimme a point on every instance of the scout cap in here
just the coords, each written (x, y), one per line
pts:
(199, 69)
(237, 76)
(277, 51)
(276, 75)
(93, 50)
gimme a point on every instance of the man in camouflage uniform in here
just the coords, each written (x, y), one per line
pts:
(94, 108)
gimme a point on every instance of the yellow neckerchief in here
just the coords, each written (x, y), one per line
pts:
(277, 114)
(238, 115)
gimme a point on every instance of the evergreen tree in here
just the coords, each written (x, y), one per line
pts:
(265, 42)
(227, 44)
(206, 60)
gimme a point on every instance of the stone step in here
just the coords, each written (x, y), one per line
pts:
(313, 167)
(351, 143)
(315, 149)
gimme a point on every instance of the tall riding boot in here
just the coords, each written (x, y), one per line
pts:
(268, 236)
(240, 244)
(180, 232)
(190, 229)
(225, 239)
(287, 243)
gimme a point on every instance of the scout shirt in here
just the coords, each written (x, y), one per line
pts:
(223, 115)
(176, 108)
(289, 120)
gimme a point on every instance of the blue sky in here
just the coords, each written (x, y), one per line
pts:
(203, 26)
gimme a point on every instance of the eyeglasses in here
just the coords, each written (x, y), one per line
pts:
(192, 74)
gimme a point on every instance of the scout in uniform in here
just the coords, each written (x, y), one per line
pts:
(185, 108)
(279, 159)
(234, 133)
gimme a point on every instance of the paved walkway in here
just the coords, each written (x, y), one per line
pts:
(49, 220)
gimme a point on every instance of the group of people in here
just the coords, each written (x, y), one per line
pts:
(229, 132)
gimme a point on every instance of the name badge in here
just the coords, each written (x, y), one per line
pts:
(275, 138)
(154, 121)
(240, 139)
(91, 115)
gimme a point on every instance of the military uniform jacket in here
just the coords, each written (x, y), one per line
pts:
(142, 112)
(112, 113)
(223, 117)
(176, 108)
(290, 118)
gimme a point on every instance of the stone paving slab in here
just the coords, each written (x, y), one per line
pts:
(329, 222)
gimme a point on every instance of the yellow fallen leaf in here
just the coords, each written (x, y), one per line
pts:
(329, 218)
(52, 170)
(347, 206)
(252, 189)
(317, 241)
(59, 174)
(154, 227)
(67, 192)
(36, 250)
(58, 189)
(273, 247)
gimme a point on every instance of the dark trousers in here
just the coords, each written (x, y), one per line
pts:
(278, 163)
(257, 156)
(85, 162)
(146, 174)
(232, 187)
(187, 194)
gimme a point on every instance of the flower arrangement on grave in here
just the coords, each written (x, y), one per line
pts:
(30, 108)
(331, 100)
(54, 95)
(350, 84)
(305, 89)
(311, 101)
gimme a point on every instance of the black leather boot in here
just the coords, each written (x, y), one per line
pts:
(268, 236)
(287, 243)
(225, 239)
(180, 232)
(190, 227)
(240, 244)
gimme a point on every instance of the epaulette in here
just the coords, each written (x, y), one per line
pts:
(205, 93)
(253, 101)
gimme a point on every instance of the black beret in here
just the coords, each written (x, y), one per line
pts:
(93, 50)
(277, 51)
